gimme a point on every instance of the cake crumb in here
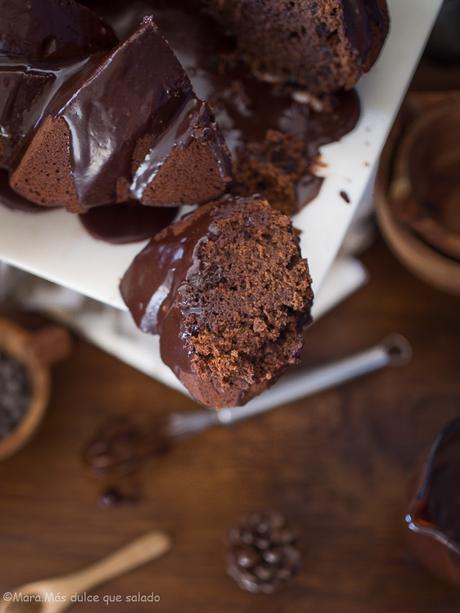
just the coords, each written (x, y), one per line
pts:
(273, 168)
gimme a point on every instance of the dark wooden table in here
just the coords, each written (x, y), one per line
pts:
(338, 465)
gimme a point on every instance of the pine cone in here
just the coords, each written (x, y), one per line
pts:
(262, 553)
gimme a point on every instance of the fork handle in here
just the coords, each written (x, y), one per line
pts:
(394, 350)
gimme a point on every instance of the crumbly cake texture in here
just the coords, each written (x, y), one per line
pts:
(237, 302)
(244, 303)
(321, 45)
(273, 168)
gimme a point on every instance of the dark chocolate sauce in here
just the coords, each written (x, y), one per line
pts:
(126, 223)
(148, 290)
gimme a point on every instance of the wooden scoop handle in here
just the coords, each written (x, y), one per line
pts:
(146, 548)
(50, 344)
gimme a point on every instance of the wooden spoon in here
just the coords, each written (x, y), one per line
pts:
(55, 595)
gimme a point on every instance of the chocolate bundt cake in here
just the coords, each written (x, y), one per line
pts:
(128, 125)
(228, 293)
(323, 46)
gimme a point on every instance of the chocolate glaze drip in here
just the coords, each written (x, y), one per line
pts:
(126, 223)
(149, 290)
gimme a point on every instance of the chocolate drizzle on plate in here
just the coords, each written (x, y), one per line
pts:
(127, 222)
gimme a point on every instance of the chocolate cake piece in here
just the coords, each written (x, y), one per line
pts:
(129, 126)
(228, 293)
(322, 46)
(45, 30)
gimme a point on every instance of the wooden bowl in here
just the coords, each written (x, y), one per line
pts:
(393, 184)
(36, 351)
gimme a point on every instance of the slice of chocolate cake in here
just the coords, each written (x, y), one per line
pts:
(228, 292)
(44, 30)
(323, 46)
(128, 126)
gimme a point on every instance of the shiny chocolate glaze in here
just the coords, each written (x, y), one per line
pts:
(151, 282)
(25, 92)
(48, 30)
(433, 517)
(127, 222)
(20, 92)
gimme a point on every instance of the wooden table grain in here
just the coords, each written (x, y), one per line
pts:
(337, 465)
